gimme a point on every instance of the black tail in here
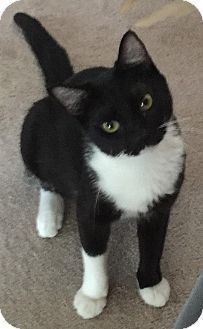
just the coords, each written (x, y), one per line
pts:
(52, 58)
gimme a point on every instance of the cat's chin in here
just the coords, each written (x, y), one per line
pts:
(88, 307)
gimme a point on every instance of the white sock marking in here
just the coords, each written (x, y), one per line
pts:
(50, 214)
(95, 280)
(91, 297)
(157, 295)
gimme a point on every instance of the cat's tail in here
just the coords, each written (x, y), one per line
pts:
(52, 58)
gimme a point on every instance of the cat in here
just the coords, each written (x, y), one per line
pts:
(109, 137)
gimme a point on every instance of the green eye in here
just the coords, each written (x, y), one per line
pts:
(111, 126)
(146, 102)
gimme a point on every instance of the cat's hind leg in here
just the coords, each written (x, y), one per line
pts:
(50, 214)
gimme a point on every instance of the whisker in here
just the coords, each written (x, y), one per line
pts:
(190, 149)
(95, 206)
(172, 122)
(191, 130)
(167, 124)
(183, 119)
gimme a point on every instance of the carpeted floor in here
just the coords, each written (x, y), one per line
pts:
(38, 278)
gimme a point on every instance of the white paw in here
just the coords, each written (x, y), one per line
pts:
(157, 295)
(59, 221)
(88, 307)
(47, 224)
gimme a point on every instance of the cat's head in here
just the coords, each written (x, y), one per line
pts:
(120, 108)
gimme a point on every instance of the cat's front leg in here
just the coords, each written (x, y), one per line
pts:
(153, 288)
(91, 298)
(94, 217)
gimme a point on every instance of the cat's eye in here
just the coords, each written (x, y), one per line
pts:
(111, 126)
(146, 102)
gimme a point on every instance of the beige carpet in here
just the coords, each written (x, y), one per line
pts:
(38, 278)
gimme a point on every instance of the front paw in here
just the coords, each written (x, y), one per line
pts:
(88, 307)
(157, 295)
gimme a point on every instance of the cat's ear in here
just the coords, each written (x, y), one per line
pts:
(70, 97)
(132, 50)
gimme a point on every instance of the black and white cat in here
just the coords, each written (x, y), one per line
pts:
(109, 136)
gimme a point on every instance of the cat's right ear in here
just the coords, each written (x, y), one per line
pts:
(70, 97)
(132, 50)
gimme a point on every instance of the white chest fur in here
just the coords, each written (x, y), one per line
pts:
(134, 182)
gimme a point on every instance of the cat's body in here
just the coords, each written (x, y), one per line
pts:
(57, 140)
(107, 135)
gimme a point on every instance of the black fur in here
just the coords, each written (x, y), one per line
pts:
(152, 228)
(57, 132)
(52, 58)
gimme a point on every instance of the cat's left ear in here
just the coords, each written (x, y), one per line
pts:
(132, 50)
(71, 98)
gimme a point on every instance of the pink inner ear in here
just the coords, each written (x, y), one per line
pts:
(132, 50)
(69, 97)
